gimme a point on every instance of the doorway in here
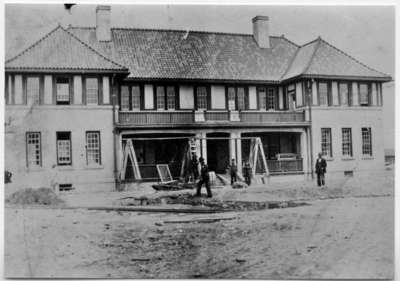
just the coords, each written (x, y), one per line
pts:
(218, 152)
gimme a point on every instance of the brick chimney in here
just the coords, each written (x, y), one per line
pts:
(261, 31)
(103, 28)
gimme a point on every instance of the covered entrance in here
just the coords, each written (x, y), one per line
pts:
(218, 152)
(153, 149)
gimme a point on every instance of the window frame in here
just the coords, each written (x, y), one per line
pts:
(130, 97)
(328, 92)
(369, 130)
(235, 91)
(165, 97)
(98, 89)
(99, 148)
(330, 142)
(350, 155)
(25, 88)
(207, 97)
(70, 86)
(349, 93)
(70, 148)
(40, 150)
(368, 93)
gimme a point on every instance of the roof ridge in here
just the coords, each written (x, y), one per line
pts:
(181, 30)
(353, 58)
(93, 49)
(312, 41)
(313, 54)
(291, 63)
(33, 44)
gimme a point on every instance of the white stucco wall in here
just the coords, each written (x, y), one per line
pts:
(48, 120)
(217, 97)
(355, 118)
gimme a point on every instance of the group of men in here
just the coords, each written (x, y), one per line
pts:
(320, 170)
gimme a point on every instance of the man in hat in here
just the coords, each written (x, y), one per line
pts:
(195, 167)
(204, 178)
(233, 171)
(320, 170)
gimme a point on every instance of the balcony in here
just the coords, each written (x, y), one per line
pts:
(209, 117)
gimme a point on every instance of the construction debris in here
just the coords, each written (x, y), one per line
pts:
(204, 220)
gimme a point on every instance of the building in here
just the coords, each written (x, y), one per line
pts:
(76, 96)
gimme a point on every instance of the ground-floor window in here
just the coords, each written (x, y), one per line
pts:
(366, 141)
(347, 146)
(326, 142)
(93, 149)
(64, 155)
(33, 149)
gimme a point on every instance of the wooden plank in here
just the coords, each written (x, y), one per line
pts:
(157, 210)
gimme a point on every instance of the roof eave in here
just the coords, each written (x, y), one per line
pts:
(340, 77)
(204, 80)
(64, 70)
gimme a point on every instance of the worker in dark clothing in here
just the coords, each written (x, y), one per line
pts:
(195, 167)
(204, 179)
(247, 173)
(320, 170)
(233, 171)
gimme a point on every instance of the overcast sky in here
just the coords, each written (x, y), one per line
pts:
(365, 32)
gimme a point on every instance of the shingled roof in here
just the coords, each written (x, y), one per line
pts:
(61, 50)
(189, 55)
(177, 54)
(318, 58)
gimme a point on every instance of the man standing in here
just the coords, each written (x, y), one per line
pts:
(247, 173)
(320, 170)
(233, 170)
(204, 179)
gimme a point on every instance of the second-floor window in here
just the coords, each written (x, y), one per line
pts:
(32, 90)
(62, 90)
(166, 97)
(201, 97)
(130, 97)
(344, 94)
(92, 91)
(347, 143)
(323, 93)
(237, 98)
(364, 94)
(125, 98)
(160, 97)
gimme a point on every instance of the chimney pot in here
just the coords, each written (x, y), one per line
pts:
(103, 25)
(261, 31)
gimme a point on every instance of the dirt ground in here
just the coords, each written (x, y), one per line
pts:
(347, 233)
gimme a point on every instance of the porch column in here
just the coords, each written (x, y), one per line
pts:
(232, 146)
(239, 151)
(118, 157)
(304, 151)
(202, 145)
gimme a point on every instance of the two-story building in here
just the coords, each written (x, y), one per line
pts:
(74, 97)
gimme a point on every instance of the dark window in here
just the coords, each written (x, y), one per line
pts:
(231, 98)
(237, 98)
(64, 150)
(62, 90)
(170, 97)
(33, 149)
(366, 141)
(326, 142)
(160, 97)
(347, 143)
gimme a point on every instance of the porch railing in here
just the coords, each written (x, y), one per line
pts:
(285, 166)
(271, 116)
(216, 116)
(187, 117)
(156, 117)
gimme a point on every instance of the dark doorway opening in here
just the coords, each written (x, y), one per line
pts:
(218, 152)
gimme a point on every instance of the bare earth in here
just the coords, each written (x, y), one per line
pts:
(351, 236)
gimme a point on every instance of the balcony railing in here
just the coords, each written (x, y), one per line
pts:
(187, 117)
